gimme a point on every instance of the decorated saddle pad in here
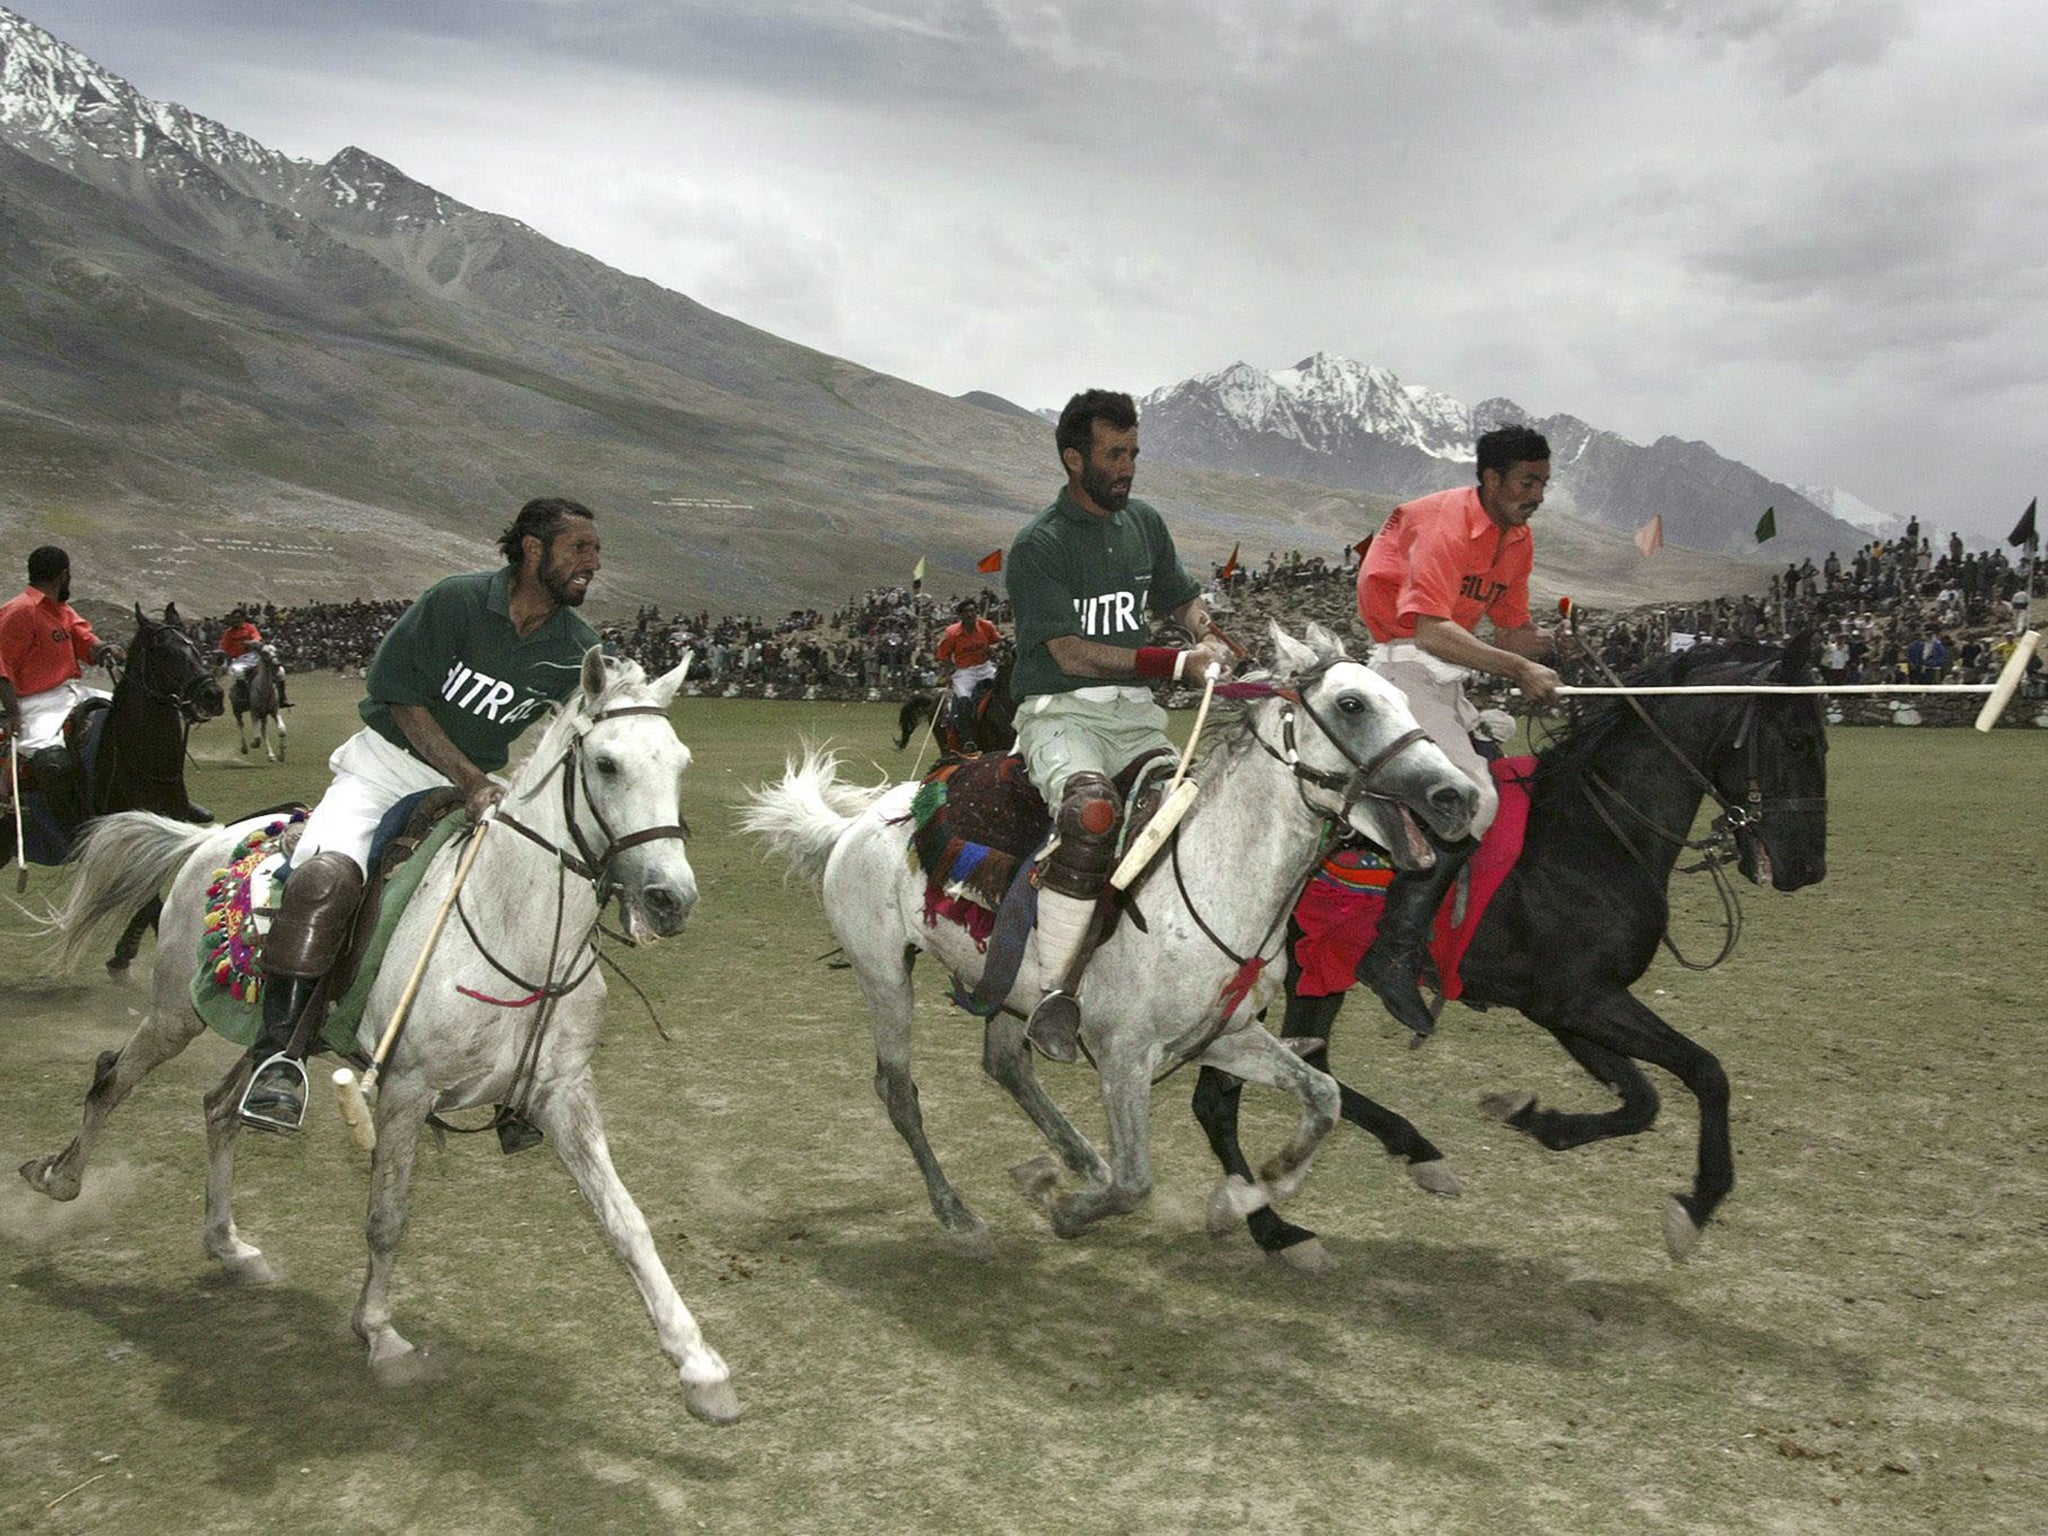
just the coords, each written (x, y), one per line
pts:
(1339, 912)
(228, 989)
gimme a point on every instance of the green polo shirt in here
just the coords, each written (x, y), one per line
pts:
(1073, 573)
(455, 654)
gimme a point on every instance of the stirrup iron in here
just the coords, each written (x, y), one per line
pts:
(271, 1106)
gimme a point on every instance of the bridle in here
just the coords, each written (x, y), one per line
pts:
(184, 699)
(1351, 788)
(591, 863)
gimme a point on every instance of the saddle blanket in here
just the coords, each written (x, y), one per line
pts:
(227, 990)
(1339, 912)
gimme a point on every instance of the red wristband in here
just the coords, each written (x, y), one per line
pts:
(1156, 662)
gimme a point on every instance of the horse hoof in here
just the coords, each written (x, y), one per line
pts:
(1230, 1202)
(1037, 1178)
(973, 1242)
(1308, 1257)
(1505, 1106)
(714, 1402)
(1436, 1177)
(1681, 1233)
(41, 1174)
(248, 1269)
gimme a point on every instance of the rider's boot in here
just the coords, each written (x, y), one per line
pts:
(1069, 888)
(1392, 967)
(304, 940)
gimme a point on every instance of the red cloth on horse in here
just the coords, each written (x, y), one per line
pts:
(1338, 925)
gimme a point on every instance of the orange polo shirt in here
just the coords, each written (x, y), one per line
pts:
(968, 647)
(42, 642)
(1442, 557)
(244, 636)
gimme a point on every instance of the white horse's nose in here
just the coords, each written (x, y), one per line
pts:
(667, 905)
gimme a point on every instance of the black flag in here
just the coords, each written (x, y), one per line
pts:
(2023, 532)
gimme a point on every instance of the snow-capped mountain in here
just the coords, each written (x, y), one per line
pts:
(1338, 422)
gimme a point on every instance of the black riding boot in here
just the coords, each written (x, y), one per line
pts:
(1392, 967)
(304, 941)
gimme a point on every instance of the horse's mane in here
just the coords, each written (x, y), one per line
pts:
(622, 676)
(1573, 747)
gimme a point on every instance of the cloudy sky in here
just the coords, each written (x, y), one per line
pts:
(1810, 233)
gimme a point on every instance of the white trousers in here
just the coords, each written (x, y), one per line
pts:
(965, 678)
(1435, 691)
(370, 776)
(43, 714)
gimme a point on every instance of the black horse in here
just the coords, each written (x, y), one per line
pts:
(133, 759)
(1579, 919)
(995, 715)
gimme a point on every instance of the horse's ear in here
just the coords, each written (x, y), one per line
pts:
(1798, 658)
(171, 616)
(1289, 654)
(670, 683)
(141, 618)
(1325, 644)
(594, 677)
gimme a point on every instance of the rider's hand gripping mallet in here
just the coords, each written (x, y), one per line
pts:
(354, 1097)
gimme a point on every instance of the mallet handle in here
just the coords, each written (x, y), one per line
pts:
(1570, 692)
(419, 970)
(14, 789)
(2009, 679)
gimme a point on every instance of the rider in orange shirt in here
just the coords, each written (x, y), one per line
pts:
(1436, 567)
(967, 644)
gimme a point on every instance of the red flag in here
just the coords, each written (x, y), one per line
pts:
(1229, 566)
(1362, 546)
(1650, 537)
(990, 563)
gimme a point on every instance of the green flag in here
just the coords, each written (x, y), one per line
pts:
(1767, 525)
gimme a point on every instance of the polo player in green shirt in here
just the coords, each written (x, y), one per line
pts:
(467, 668)
(1083, 577)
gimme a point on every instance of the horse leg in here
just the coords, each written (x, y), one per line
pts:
(892, 1002)
(1126, 1074)
(1608, 1038)
(1007, 1059)
(401, 1110)
(130, 945)
(571, 1117)
(1257, 1057)
(1215, 1105)
(167, 1031)
(277, 719)
(1314, 1019)
(243, 1261)
(241, 733)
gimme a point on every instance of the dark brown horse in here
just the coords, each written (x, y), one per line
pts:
(995, 715)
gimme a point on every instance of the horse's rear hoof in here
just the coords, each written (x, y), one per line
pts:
(1436, 1177)
(972, 1242)
(714, 1402)
(1681, 1233)
(42, 1175)
(1308, 1257)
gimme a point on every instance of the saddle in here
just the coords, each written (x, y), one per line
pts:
(1339, 912)
(976, 819)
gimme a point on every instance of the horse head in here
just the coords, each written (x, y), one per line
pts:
(1765, 755)
(1367, 763)
(169, 668)
(624, 791)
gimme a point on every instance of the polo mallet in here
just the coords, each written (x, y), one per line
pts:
(1180, 798)
(14, 790)
(354, 1097)
(1999, 694)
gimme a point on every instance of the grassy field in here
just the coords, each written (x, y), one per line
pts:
(1856, 1349)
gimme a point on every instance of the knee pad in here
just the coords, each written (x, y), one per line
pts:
(312, 922)
(1086, 852)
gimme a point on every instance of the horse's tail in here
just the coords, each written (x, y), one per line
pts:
(916, 710)
(804, 816)
(123, 860)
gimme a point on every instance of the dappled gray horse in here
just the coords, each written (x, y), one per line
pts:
(1321, 740)
(595, 810)
(263, 703)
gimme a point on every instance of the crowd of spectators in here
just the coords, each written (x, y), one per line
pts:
(1895, 610)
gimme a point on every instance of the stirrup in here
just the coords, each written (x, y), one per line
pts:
(1055, 1026)
(278, 1103)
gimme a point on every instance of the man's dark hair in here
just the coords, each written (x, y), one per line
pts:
(1505, 446)
(967, 607)
(543, 518)
(46, 563)
(1077, 422)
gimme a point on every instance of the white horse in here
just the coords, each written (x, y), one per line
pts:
(595, 809)
(1329, 742)
(265, 683)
